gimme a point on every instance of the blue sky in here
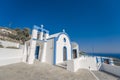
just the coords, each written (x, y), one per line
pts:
(91, 23)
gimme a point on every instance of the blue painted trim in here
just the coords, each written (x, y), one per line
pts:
(71, 50)
(54, 60)
(68, 39)
(39, 40)
(55, 40)
(66, 53)
(46, 31)
(50, 38)
(65, 34)
(40, 30)
(61, 34)
(34, 39)
(96, 59)
(36, 27)
(101, 59)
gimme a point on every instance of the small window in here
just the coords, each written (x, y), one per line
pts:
(64, 39)
(38, 35)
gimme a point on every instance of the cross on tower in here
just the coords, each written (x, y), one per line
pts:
(64, 30)
(42, 26)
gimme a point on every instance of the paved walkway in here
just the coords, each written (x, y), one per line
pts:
(105, 76)
(41, 71)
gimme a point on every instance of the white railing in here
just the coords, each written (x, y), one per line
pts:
(99, 66)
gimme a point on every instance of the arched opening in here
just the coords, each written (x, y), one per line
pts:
(74, 53)
(64, 53)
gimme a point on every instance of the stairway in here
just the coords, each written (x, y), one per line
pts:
(62, 65)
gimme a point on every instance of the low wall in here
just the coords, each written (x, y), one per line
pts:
(8, 43)
(10, 56)
(82, 63)
(88, 63)
(73, 65)
(115, 70)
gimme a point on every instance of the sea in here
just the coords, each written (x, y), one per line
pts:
(113, 55)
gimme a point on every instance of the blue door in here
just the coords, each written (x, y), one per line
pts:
(37, 52)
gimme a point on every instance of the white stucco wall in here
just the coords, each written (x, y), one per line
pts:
(26, 51)
(10, 56)
(59, 48)
(43, 59)
(111, 69)
(82, 63)
(50, 51)
(8, 43)
(32, 47)
(88, 63)
(73, 65)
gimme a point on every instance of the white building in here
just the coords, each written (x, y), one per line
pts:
(52, 49)
(57, 49)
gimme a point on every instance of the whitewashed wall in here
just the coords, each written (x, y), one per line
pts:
(32, 49)
(73, 65)
(50, 51)
(59, 48)
(8, 43)
(10, 56)
(82, 63)
(88, 63)
(111, 69)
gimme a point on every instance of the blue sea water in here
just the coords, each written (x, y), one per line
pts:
(114, 55)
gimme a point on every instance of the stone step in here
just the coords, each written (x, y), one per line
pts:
(65, 67)
(62, 65)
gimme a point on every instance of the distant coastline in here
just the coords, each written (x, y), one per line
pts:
(114, 55)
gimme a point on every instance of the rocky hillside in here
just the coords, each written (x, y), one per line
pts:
(14, 35)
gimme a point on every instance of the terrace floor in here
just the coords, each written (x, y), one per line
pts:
(41, 71)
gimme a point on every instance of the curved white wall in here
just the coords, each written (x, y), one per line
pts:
(10, 56)
(59, 48)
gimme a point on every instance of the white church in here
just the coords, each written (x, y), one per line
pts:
(53, 49)
(57, 49)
